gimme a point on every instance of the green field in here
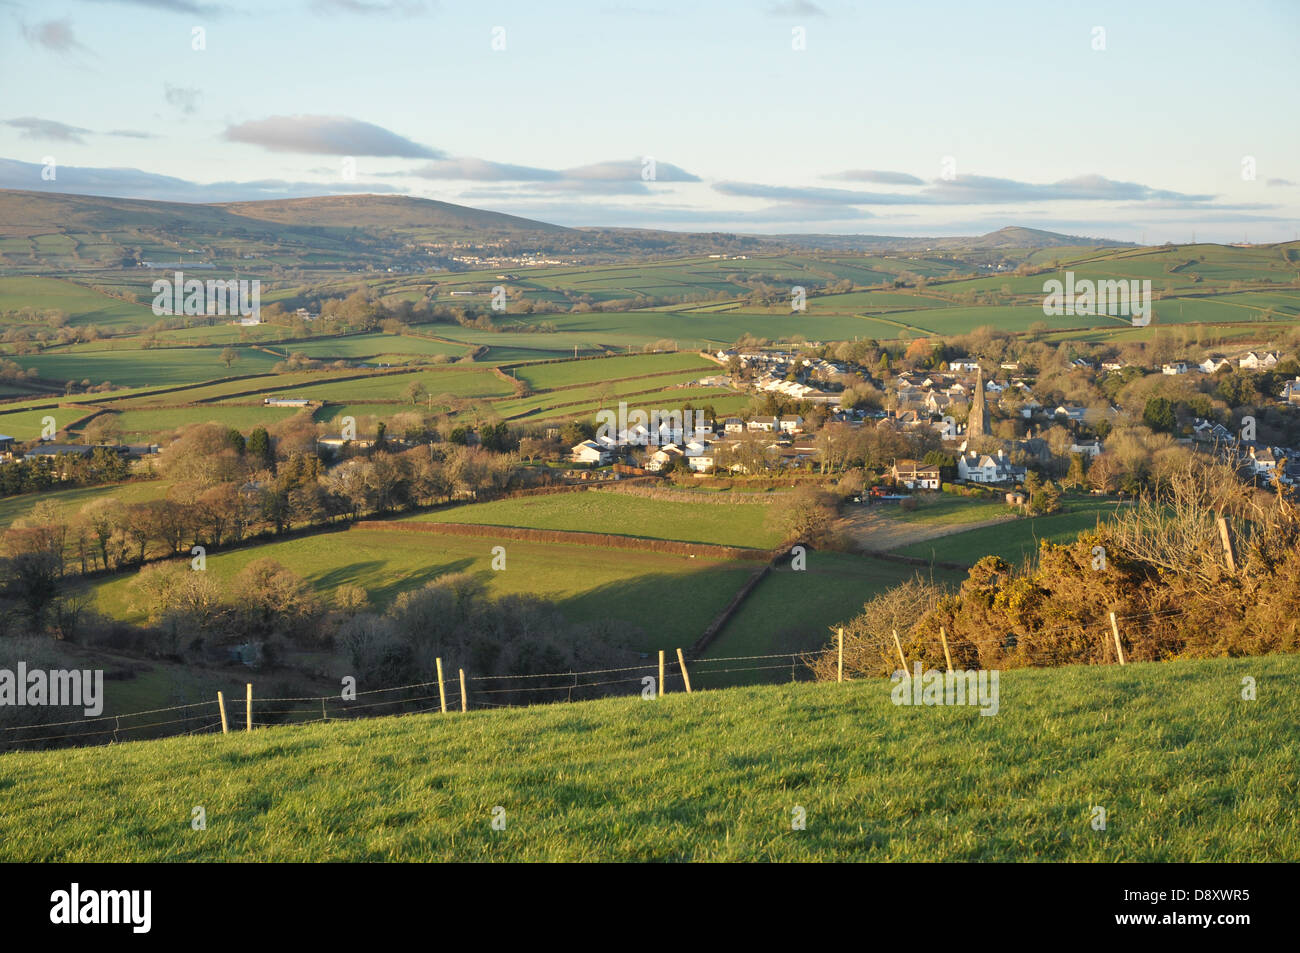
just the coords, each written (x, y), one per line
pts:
(570, 373)
(945, 509)
(146, 368)
(1185, 769)
(621, 514)
(722, 401)
(637, 391)
(668, 598)
(458, 382)
(393, 348)
(29, 424)
(69, 502)
(83, 305)
(793, 611)
(1015, 541)
(137, 425)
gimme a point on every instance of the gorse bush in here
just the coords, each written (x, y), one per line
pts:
(1160, 566)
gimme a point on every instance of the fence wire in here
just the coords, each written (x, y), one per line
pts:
(1140, 629)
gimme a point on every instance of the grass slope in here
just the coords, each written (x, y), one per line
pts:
(1186, 770)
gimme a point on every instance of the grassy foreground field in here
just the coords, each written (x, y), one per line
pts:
(1186, 770)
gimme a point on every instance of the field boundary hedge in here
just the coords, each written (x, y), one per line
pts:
(916, 560)
(674, 495)
(608, 540)
(722, 618)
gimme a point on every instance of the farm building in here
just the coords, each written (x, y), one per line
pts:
(286, 401)
(55, 449)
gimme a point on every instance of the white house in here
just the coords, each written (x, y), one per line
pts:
(765, 424)
(1291, 392)
(1174, 369)
(589, 452)
(1258, 362)
(791, 423)
(985, 468)
(733, 425)
(1212, 365)
(914, 475)
(1070, 411)
(663, 458)
(1263, 461)
(1088, 449)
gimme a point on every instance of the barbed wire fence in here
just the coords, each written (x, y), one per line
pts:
(649, 679)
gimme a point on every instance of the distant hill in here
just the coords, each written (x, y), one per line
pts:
(58, 233)
(386, 211)
(32, 213)
(1011, 237)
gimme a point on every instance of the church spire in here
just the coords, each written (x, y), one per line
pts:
(977, 424)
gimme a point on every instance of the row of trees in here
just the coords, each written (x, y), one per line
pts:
(103, 465)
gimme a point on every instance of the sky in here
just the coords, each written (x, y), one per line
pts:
(1139, 121)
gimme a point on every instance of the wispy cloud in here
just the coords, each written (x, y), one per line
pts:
(969, 190)
(30, 127)
(810, 195)
(383, 8)
(795, 8)
(54, 35)
(171, 6)
(643, 169)
(613, 177)
(481, 170)
(136, 184)
(877, 176)
(327, 135)
(184, 98)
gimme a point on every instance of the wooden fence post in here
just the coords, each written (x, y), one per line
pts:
(681, 660)
(840, 639)
(946, 656)
(661, 672)
(464, 699)
(221, 703)
(442, 691)
(1226, 539)
(899, 645)
(248, 706)
(1119, 649)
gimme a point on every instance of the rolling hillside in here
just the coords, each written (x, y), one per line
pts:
(1184, 768)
